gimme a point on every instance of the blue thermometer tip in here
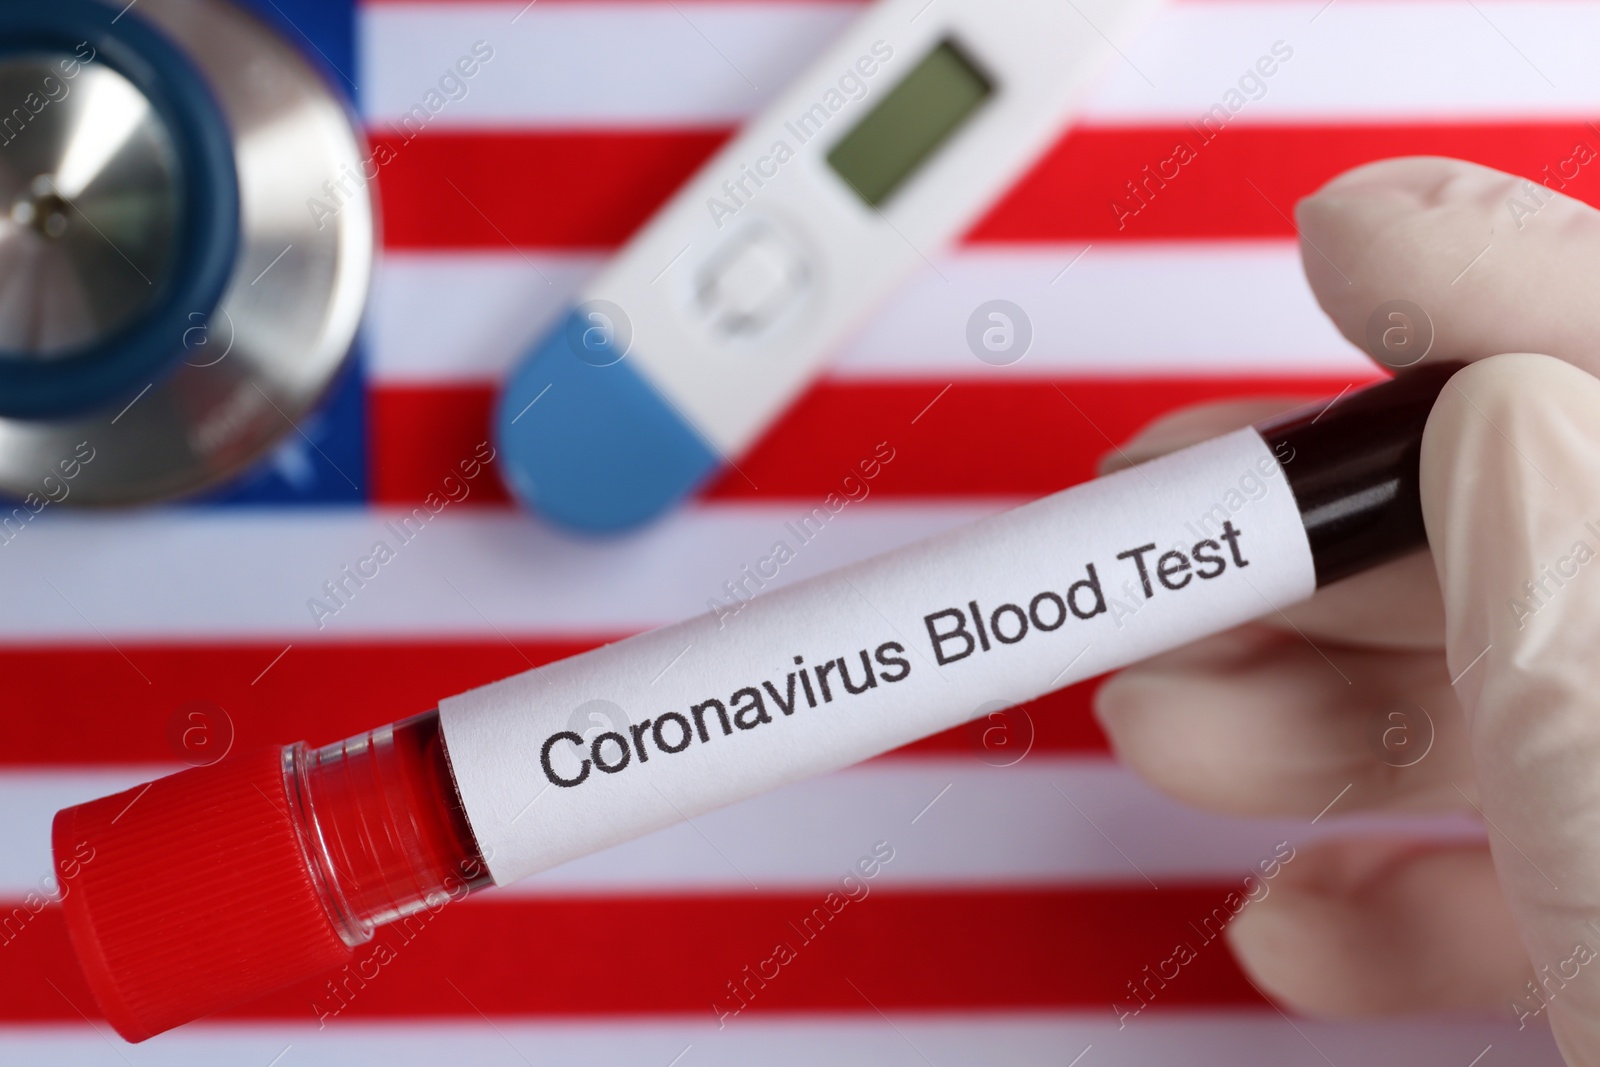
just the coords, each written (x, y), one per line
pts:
(588, 443)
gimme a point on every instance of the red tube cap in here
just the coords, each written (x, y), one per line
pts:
(192, 894)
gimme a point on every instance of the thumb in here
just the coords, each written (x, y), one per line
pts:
(1511, 497)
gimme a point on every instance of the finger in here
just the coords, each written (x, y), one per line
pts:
(1511, 495)
(1497, 264)
(1257, 722)
(1383, 927)
(1396, 605)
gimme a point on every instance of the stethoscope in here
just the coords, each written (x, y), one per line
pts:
(168, 300)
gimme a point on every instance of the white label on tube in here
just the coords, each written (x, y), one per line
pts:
(593, 750)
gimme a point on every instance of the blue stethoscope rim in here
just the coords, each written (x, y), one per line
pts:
(206, 239)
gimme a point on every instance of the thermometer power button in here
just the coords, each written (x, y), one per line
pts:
(748, 284)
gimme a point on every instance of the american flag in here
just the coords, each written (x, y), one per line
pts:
(1037, 890)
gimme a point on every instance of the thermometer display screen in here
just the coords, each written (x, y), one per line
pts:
(896, 137)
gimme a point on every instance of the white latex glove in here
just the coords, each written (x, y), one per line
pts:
(1257, 721)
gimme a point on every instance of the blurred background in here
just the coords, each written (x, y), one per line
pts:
(1035, 887)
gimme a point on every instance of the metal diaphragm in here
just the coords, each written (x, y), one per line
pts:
(93, 193)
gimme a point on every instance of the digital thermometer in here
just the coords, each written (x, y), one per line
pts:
(682, 351)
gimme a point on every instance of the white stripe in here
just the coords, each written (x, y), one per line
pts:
(1046, 820)
(500, 303)
(861, 1039)
(212, 575)
(658, 64)
(632, 64)
(1362, 61)
(1215, 307)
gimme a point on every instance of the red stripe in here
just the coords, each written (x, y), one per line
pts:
(86, 705)
(89, 706)
(1245, 181)
(417, 433)
(1023, 439)
(1011, 440)
(476, 189)
(485, 189)
(1060, 948)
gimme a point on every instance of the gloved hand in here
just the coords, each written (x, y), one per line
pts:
(1495, 635)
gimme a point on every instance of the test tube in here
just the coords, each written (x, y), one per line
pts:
(206, 888)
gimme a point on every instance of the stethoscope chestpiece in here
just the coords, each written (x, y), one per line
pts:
(186, 244)
(121, 206)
